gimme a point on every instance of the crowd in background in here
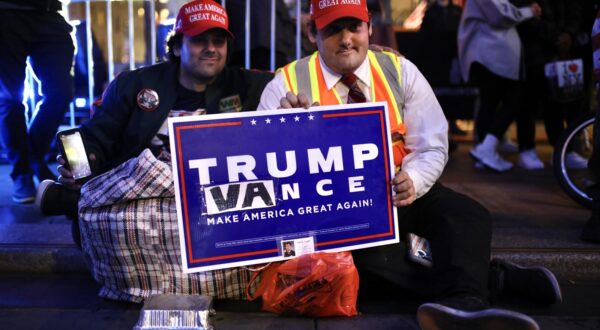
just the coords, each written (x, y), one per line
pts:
(496, 51)
(503, 52)
(558, 30)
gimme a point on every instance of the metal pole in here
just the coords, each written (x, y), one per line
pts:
(89, 44)
(273, 35)
(298, 31)
(153, 31)
(131, 35)
(71, 114)
(247, 44)
(223, 3)
(109, 40)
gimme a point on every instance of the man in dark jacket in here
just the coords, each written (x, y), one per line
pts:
(136, 105)
(34, 29)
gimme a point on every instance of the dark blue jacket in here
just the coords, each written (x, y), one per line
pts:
(120, 129)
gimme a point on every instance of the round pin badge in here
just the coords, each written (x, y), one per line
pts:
(147, 99)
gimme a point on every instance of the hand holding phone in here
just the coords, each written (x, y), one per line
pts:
(75, 162)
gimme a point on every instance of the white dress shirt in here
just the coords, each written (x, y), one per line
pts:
(426, 136)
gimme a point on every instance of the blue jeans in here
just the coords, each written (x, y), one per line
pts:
(45, 38)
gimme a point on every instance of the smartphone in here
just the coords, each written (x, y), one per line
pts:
(418, 250)
(73, 151)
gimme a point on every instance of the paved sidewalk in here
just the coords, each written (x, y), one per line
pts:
(69, 301)
(44, 283)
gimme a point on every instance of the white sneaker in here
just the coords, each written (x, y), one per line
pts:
(529, 160)
(575, 161)
(508, 146)
(490, 158)
(479, 165)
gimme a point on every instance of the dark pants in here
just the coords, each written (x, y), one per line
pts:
(494, 91)
(459, 231)
(556, 114)
(44, 38)
(594, 166)
(535, 96)
(594, 163)
(591, 230)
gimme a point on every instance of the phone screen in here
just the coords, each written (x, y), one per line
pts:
(75, 154)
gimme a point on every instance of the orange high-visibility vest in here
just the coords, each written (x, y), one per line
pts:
(305, 75)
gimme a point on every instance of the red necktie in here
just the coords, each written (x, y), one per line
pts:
(355, 95)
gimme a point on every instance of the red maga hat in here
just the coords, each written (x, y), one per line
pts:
(324, 12)
(198, 16)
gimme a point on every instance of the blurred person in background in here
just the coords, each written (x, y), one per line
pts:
(555, 36)
(260, 33)
(36, 30)
(489, 51)
(591, 230)
(383, 30)
(133, 113)
(438, 58)
(439, 52)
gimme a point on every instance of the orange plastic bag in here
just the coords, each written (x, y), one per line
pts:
(318, 284)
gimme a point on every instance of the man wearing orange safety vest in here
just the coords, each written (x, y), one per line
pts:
(343, 70)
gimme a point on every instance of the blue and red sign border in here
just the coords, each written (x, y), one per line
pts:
(179, 124)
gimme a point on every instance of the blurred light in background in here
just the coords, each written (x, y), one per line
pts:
(80, 102)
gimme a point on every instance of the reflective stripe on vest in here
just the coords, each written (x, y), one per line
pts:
(305, 75)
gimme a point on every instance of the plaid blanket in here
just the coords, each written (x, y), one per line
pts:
(130, 237)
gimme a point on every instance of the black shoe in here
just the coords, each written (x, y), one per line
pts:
(433, 316)
(23, 189)
(591, 231)
(53, 198)
(464, 302)
(534, 283)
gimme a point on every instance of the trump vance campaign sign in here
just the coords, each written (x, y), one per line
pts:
(261, 186)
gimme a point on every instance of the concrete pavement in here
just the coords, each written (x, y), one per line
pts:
(44, 283)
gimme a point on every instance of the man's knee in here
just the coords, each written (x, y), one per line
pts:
(474, 210)
(464, 209)
(389, 263)
(447, 211)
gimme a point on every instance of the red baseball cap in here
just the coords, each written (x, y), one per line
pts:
(324, 12)
(198, 16)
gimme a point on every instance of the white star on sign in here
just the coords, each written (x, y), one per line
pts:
(296, 118)
(253, 122)
(282, 119)
(311, 117)
(268, 120)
